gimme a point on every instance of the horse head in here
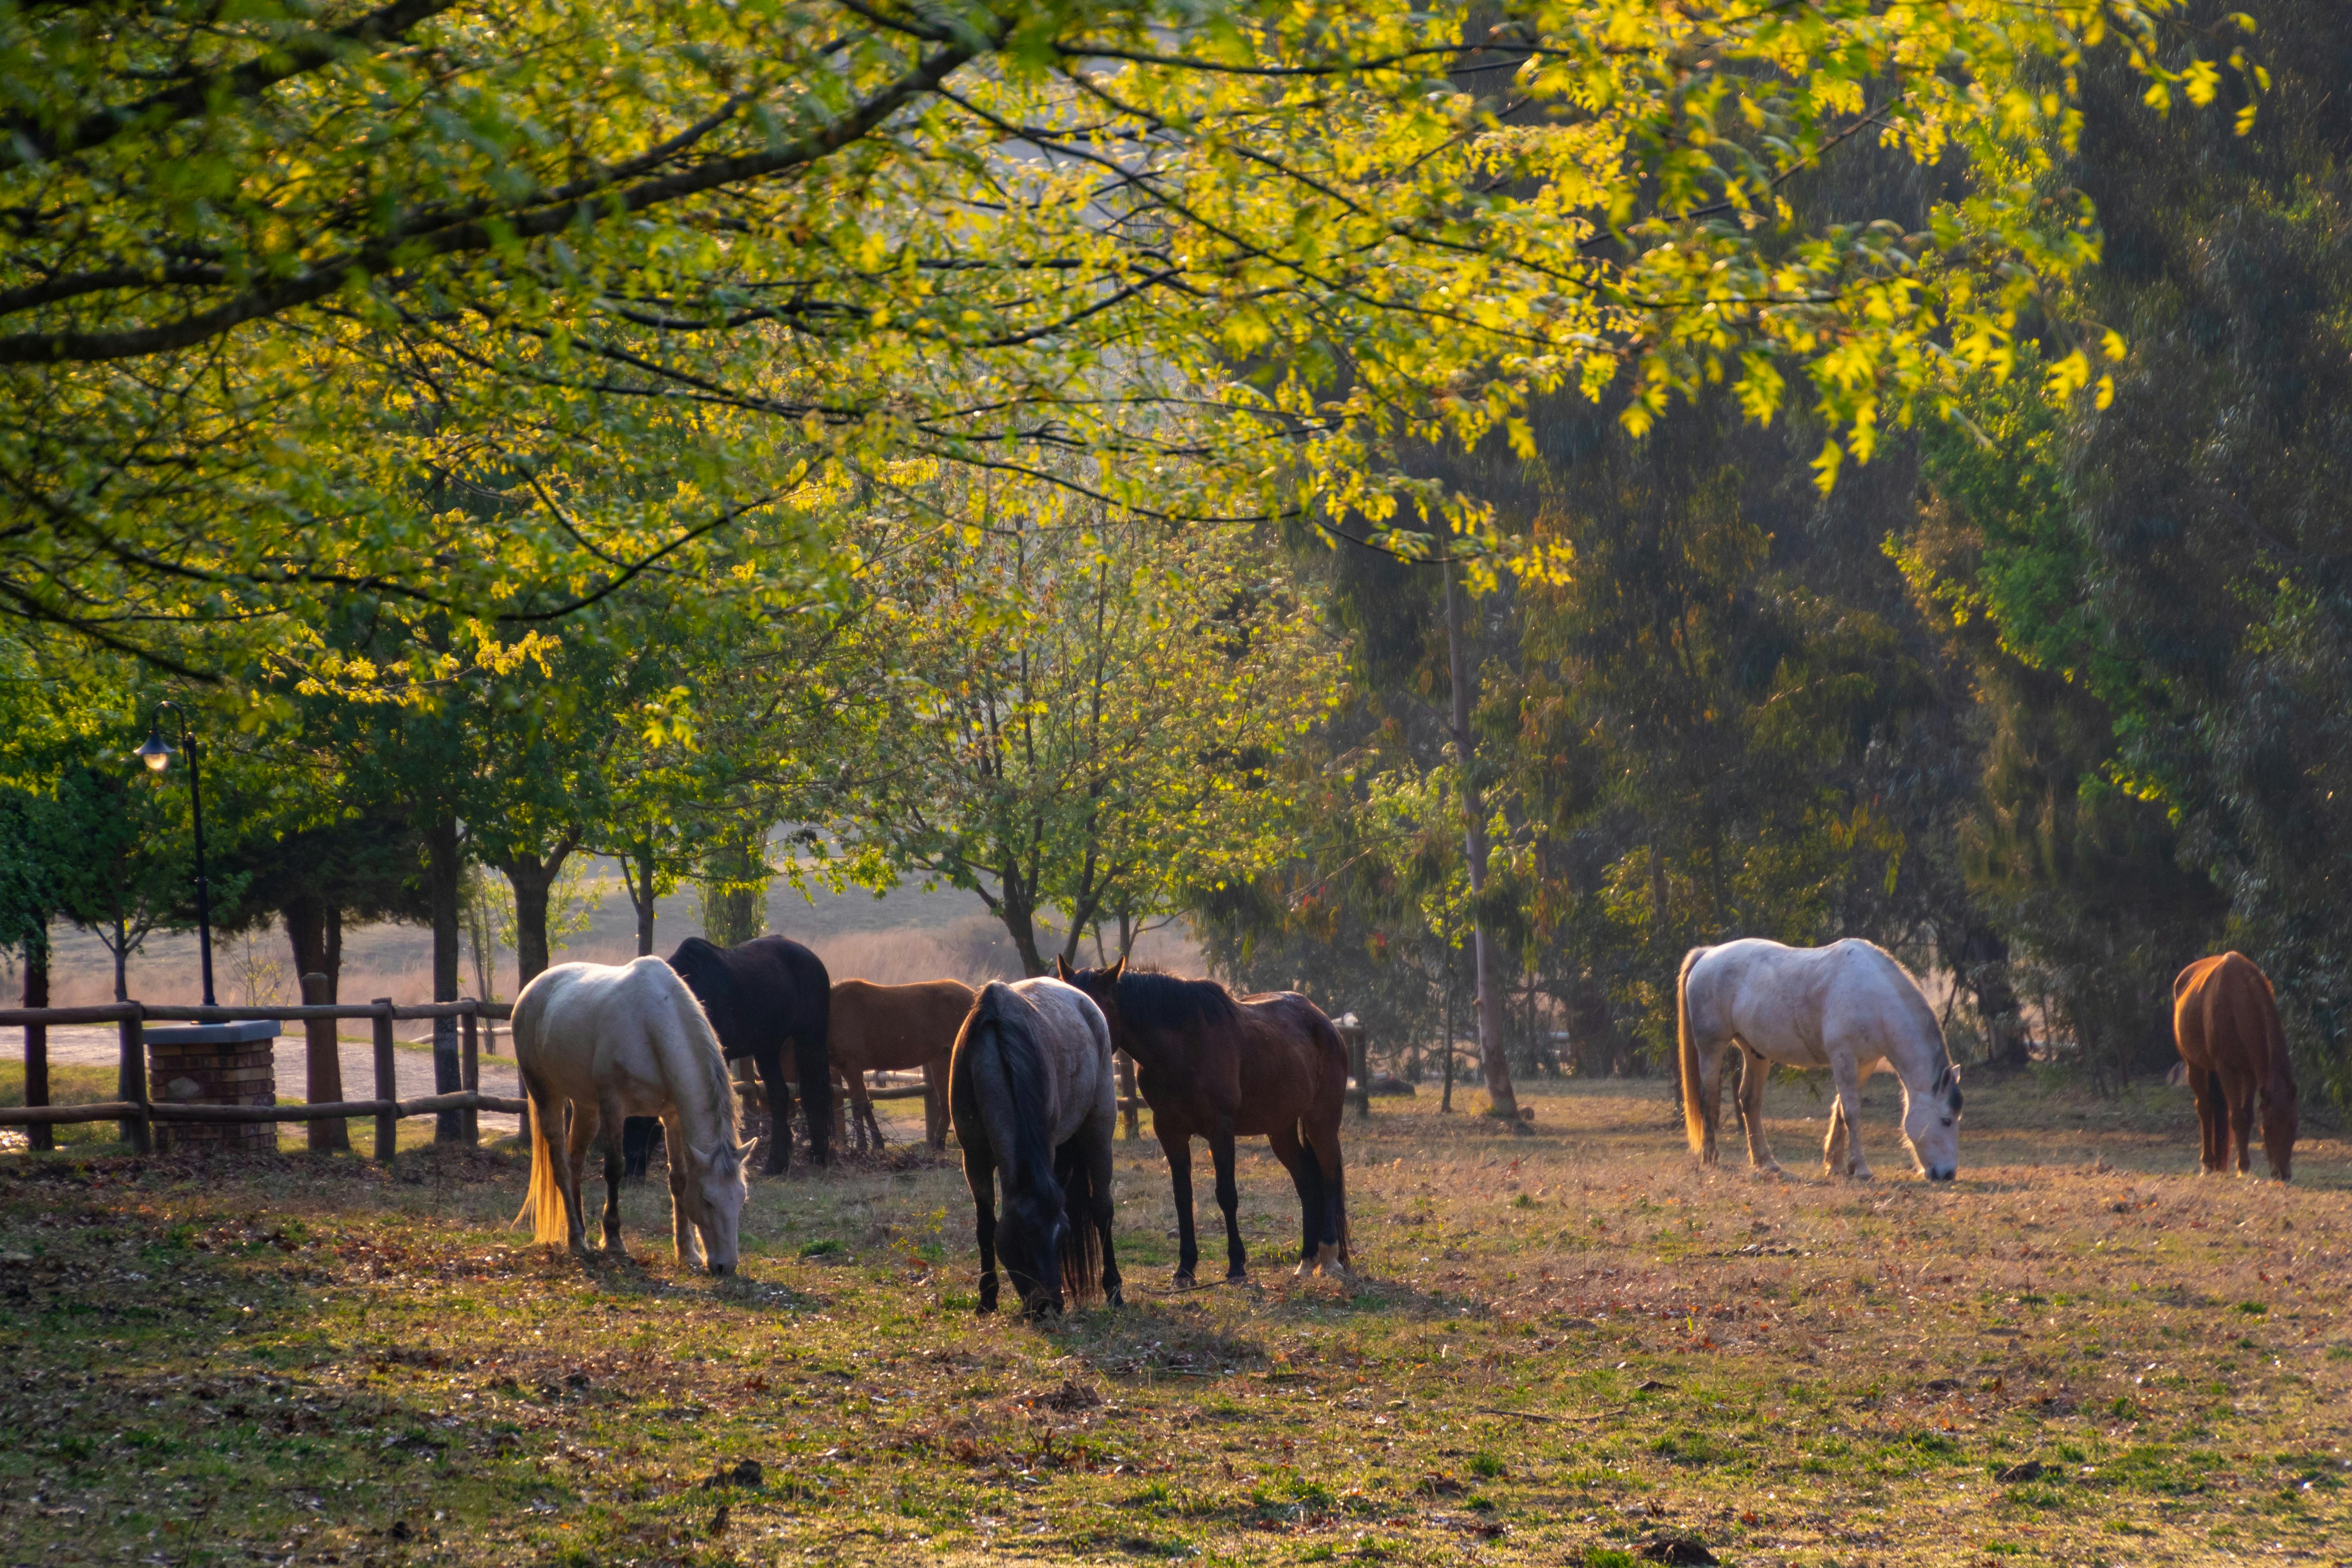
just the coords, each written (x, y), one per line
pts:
(1029, 1245)
(714, 1194)
(1931, 1125)
(2279, 1127)
(1101, 986)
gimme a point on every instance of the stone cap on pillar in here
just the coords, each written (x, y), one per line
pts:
(239, 1033)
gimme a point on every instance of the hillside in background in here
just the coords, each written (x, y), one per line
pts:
(906, 934)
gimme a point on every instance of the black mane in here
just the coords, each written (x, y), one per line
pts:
(1150, 1000)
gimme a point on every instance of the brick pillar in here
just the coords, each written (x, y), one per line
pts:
(213, 1064)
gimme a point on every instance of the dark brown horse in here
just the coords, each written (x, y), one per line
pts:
(2225, 1020)
(1217, 1068)
(759, 995)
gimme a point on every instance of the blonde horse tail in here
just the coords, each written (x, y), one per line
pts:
(1693, 1113)
(544, 1205)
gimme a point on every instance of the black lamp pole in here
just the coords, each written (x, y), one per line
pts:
(157, 755)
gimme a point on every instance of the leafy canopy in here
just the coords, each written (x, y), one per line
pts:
(494, 308)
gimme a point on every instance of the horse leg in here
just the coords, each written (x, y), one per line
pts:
(1177, 1144)
(1848, 1078)
(1710, 1098)
(862, 1105)
(685, 1235)
(582, 1133)
(980, 1174)
(1753, 1070)
(1099, 1161)
(615, 1165)
(2212, 1123)
(1229, 1198)
(1332, 1178)
(1309, 1179)
(770, 1066)
(2242, 1119)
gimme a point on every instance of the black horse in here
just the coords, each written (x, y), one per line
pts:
(756, 996)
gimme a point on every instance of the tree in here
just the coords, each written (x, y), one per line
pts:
(1087, 713)
(1226, 257)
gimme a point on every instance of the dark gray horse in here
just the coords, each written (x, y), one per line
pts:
(757, 995)
(1030, 1092)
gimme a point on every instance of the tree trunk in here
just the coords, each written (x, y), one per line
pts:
(735, 890)
(1502, 1101)
(36, 1035)
(445, 869)
(1020, 923)
(1445, 1102)
(121, 960)
(533, 878)
(305, 915)
(333, 968)
(1982, 965)
(323, 1068)
(641, 894)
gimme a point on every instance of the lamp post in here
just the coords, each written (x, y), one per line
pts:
(157, 754)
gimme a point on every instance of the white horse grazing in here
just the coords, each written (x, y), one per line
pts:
(605, 1044)
(1848, 1007)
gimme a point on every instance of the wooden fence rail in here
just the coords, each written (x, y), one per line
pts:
(138, 1114)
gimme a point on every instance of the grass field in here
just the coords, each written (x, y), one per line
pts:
(1565, 1348)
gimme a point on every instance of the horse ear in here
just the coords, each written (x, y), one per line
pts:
(1118, 969)
(1061, 967)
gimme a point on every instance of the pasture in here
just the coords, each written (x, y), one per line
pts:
(1570, 1347)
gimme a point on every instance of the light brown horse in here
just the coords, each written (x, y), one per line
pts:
(897, 1029)
(2225, 1020)
(1208, 1065)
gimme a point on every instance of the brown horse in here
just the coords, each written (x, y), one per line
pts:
(1211, 1067)
(2225, 1020)
(897, 1029)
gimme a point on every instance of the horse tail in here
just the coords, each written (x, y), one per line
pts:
(1081, 1244)
(543, 1203)
(1693, 1113)
(1020, 1066)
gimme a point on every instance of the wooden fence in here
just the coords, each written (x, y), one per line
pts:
(138, 1114)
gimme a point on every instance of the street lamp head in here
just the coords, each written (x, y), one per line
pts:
(155, 753)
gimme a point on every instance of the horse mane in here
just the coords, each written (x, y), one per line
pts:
(708, 1061)
(1151, 1000)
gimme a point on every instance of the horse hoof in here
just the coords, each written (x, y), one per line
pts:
(1236, 1276)
(1184, 1282)
(1111, 1297)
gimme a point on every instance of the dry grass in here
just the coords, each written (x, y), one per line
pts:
(1565, 1346)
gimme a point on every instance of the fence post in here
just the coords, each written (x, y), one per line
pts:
(1127, 1094)
(323, 1070)
(470, 1066)
(387, 1083)
(138, 1131)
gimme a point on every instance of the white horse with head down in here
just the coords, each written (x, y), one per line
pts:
(606, 1043)
(1848, 1006)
